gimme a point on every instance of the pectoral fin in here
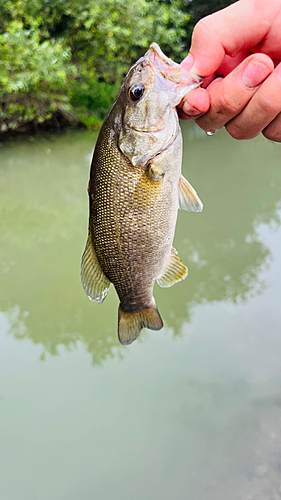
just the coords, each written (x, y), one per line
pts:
(175, 271)
(155, 171)
(130, 324)
(95, 283)
(188, 198)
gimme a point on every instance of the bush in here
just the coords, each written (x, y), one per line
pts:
(33, 76)
(92, 97)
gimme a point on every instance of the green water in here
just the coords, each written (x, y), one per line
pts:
(192, 412)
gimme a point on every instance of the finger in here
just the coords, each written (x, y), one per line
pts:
(187, 62)
(273, 130)
(214, 84)
(232, 94)
(263, 108)
(186, 65)
(230, 63)
(197, 102)
(227, 32)
(194, 104)
(206, 82)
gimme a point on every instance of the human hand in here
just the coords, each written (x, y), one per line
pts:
(241, 44)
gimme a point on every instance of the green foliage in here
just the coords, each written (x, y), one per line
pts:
(96, 97)
(202, 8)
(27, 64)
(107, 35)
(92, 122)
(64, 54)
(33, 75)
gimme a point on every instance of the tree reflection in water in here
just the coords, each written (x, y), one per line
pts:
(43, 226)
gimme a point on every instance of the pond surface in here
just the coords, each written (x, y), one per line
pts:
(192, 412)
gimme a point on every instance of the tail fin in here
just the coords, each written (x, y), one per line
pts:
(130, 324)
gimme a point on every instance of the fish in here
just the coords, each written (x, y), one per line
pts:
(135, 190)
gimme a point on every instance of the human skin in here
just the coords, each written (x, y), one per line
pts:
(238, 50)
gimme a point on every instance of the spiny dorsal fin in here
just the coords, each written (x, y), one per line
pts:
(130, 324)
(175, 271)
(188, 198)
(95, 283)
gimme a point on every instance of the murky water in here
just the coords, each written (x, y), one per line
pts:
(192, 412)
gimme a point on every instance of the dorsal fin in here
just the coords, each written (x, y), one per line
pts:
(188, 198)
(130, 324)
(174, 271)
(95, 283)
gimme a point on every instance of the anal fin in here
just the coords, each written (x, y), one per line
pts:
(175, 271)
(130, 324)
(188, 198)
(95, 283)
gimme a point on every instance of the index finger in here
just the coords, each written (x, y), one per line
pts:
(240, 26)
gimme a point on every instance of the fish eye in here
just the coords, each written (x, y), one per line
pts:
(136, 91)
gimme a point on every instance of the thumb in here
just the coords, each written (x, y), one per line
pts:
(240, 26)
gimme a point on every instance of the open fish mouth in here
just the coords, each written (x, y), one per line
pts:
(155, 47)
(169, 69)
(163, 64)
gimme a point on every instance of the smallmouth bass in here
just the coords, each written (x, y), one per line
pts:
(135, 190)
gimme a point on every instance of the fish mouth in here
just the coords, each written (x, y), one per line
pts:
(155, 47)
(175, 77)
(163, 64)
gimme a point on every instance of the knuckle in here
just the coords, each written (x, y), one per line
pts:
(265, 105)
(240, 133)
(201, 28)
(226, 103)
(235, 132)
(272, 133)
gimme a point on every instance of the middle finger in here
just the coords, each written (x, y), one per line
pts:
(261, 110)
(231, 95)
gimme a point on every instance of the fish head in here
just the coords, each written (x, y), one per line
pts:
(145, 109)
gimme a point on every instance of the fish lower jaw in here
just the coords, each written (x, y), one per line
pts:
(148, 131)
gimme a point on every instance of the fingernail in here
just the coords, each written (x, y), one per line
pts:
(254, 73)
(187, 62)
(190, 110)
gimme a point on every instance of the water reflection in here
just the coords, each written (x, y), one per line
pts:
(240, 187)
(43, 224)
